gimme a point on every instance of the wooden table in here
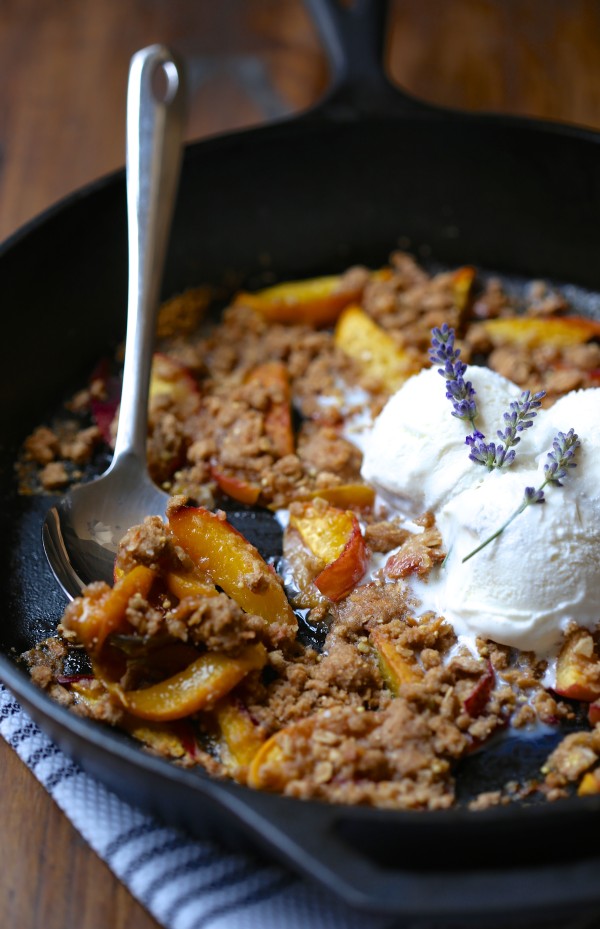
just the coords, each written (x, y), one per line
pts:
(63, 68)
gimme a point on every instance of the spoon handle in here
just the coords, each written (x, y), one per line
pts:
(155, 123)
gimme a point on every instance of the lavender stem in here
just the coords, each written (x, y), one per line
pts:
(524, 504)
(558, 460)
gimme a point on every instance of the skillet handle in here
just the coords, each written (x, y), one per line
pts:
(356, 857)
(354, 38)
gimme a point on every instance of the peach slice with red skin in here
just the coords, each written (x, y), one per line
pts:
(235, 487)
(223, 553)
(340, 577)
(105, 399)
(273, 375)
(476, 702)
(578, 668)
(334, 536)
(168, 377)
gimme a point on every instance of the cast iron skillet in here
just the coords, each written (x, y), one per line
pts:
(339, 184)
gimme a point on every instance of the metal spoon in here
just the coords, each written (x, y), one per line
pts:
(81, 534)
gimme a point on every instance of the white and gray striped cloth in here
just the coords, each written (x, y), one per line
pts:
(183, 882)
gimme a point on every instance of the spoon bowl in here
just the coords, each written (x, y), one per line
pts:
(81, 534)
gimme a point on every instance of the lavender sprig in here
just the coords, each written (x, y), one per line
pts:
(488, 453)
(561, 458)
(522, 413)
(459, 392)
(558, 461)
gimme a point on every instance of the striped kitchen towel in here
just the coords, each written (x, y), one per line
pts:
(185, 883)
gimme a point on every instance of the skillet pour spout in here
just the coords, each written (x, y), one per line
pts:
(335, 186)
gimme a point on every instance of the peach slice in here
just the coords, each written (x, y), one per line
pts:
(241, 736)
(105, 390)
(462, 282)
(231, 561)
(181, 583)
(396, 669)
(314, 302)
(168, 377)
(357, 496)
(96, 615)
(172, 378)
(235, 487)
(189, 584)
(594, 713)
(578, 668)
(175, 740)
(378, 355)
(198, 687)
(590, 784)
(267, 770)
(334, 536)
(340, 577)
(172, 740)
(278, 418)
(531, 332)
(476, 702)
(273, 376)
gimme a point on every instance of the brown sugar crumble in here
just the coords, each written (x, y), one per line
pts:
(335, 685)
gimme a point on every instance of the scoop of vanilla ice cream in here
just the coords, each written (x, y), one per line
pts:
(416, 456)
(541, 572)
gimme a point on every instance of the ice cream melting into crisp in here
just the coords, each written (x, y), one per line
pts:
(542, 572)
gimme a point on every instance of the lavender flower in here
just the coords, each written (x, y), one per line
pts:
(488, 453)
(531, 495)
(558, 461)
(458, 391)
(561, 457)
(522, 413)
(520, 417)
